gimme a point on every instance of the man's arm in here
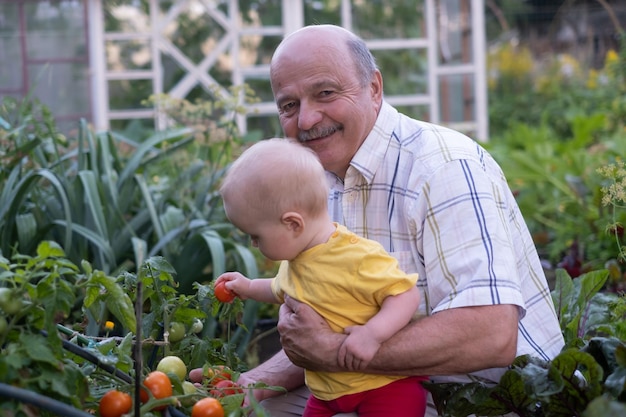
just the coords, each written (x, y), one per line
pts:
(277, 371)
(454, 341)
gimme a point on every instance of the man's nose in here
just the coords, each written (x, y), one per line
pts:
(309, 115)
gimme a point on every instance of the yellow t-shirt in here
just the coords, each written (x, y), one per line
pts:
(345, 280)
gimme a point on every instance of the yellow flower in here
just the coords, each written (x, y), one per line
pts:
(109, 325)
(611, 57)
(592, 79)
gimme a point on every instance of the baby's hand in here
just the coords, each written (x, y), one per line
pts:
(358, 349)
(234, 284)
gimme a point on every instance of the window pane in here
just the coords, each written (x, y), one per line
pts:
(420, 112)
(389, 20)
(455, 46)
(126, 16)
(457, 98)
(129, 94)
(55, 30)
(404, 70)
(268, 126)
(128, 55)
(10, 75)
(317, 12)
(262, 13)
(64, 87)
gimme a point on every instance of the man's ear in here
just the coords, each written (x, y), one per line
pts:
(293, 221)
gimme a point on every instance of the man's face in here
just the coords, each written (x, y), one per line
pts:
(321, 101)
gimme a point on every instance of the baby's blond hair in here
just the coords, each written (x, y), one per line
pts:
(276, 176)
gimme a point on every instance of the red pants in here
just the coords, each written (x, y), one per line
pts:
(402, 398)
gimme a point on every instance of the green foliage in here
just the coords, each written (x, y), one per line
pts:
(558, 188)
(47, 287)
(115, 201)
(587, 378)
(43, 347)
(557, 129)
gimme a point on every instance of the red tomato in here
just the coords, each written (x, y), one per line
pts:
(226, 387)
(159, 385)
(115, 403)
(213, 374)
(207, 407)
(219, 373)
(222, 293)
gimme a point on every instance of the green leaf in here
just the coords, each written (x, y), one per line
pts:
(94, 203)
(582, 378)
(604, 406)
(49, 249)
(562, 293)
(116, 299)
(36, 347)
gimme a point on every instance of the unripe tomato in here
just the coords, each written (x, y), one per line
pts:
(189, 388)
(174, 365)
(196, 326)
(207, 407)
(159, 385)
(176, 332)
(115, 403)
(222, 293)
(10, 301)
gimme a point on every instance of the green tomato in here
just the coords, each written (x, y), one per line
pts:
(189, 388)
(197, 326)
(177, 331)
(10, 301)
(173, 365)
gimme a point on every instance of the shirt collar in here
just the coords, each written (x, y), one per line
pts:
(372, 152)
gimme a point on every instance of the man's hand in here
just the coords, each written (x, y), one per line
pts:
(454, 341)
(306, 337)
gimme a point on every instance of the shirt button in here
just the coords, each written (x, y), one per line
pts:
(354, 239)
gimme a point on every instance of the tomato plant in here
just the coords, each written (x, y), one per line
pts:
(115, 403)
(222, 293)
(207, 407)
(174, 365)
(159, 385)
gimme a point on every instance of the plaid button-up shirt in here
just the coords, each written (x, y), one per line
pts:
(439, 203)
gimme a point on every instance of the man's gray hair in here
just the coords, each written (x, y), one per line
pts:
(364, 61)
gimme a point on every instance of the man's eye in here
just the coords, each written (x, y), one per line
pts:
(287, 107)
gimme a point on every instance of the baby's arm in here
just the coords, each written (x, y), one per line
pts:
(363, 341)
(257, 289)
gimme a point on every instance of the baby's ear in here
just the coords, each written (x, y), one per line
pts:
(293, 221)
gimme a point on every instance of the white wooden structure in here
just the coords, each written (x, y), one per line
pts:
(451, 40)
